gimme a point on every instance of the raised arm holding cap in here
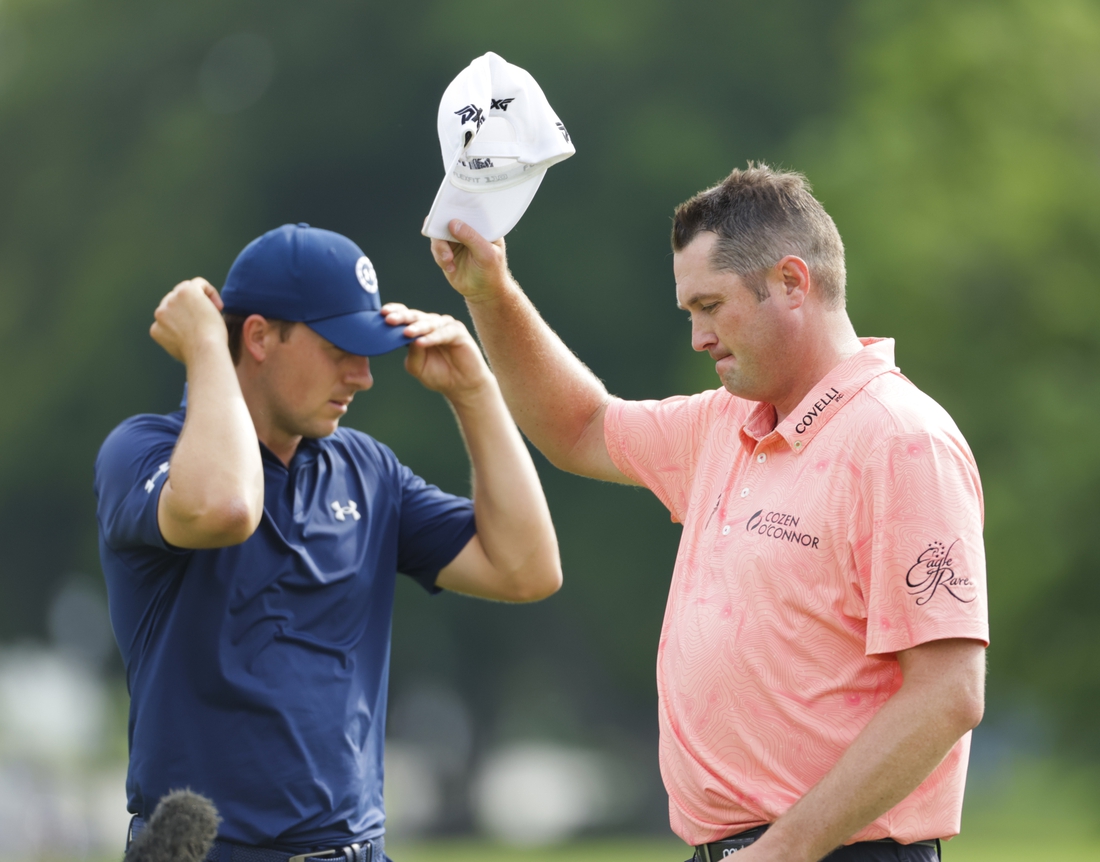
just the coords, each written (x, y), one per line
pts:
(822, 653)
(557, 401)
(251, 545)
(215, 495)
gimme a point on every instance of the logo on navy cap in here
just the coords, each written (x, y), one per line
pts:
(364, 271)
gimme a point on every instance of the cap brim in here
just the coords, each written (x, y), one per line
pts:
(364, 333)
(492, 214)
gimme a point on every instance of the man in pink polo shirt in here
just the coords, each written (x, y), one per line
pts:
(822, 658)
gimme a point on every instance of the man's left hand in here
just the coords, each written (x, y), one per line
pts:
(444, 356)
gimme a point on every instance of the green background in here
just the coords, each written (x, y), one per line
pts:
(956, 144)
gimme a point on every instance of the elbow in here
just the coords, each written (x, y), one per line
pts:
(229, 522)
(967, 705)
(536, 583)
(238, 519)
(946, 680)
(972, 705)
(214, 520)
(970, 710)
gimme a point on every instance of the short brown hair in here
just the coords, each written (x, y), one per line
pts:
(761, 215)
(234, 323)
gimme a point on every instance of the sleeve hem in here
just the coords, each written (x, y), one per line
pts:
(427, 579)
(890, 646)
(164, 544)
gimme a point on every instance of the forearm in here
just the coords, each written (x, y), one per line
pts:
(553, 396)
(513, 520)
(214, 491)
(940, 700)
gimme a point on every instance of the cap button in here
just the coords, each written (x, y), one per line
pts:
(302, 224)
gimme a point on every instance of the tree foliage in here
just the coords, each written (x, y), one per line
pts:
(962, 168)
(955, 144)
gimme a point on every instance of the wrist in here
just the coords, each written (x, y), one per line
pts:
(494, 288)
(783, 845)
(206, 346)
(475, 396)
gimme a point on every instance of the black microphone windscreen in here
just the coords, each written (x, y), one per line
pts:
(182, 829)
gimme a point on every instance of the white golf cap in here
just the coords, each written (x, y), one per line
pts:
(498, 135)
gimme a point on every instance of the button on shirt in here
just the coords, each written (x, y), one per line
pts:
(258, 672)
(811, 553)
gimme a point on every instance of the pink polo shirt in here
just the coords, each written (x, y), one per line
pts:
(811, 553)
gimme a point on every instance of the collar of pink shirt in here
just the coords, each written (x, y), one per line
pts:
(825, 400)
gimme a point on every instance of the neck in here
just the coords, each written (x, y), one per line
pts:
(282, 444)
(829, 344)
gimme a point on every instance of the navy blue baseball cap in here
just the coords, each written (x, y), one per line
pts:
(316, 277)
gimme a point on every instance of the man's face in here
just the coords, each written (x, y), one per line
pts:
(747, 339)
(308, 382)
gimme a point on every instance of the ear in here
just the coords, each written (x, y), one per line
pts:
(256, 334)
(794, 276)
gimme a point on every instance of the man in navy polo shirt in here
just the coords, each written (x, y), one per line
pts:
(250, 544)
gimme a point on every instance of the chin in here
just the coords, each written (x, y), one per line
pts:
(736, 385)
(323, 429)
(732, 384)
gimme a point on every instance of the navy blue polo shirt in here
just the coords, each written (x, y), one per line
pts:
(258, 672)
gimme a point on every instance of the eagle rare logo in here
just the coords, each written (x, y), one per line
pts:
(935, 568)
(364, 271)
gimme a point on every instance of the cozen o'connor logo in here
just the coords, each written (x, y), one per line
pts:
(934, 569)
(364, 271)
(780, 525)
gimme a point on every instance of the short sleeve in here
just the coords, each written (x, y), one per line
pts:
(657, 443)
(919, 551)
(130, 472)
(435, 527)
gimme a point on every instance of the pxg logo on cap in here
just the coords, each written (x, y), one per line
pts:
(316, 277)
(498, 135)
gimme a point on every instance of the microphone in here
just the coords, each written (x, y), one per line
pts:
(182, 829)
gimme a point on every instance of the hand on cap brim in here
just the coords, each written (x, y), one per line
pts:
(473, 265)
(443, 355)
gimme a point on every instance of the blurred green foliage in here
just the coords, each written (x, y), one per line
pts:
(957, 144)
(964, 170)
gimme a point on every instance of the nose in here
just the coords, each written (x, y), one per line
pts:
(357, 373)
(702, 337)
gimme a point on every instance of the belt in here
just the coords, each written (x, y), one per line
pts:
(720, 849)
(717, 850)
(369, 850)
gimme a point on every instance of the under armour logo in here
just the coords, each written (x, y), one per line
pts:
(342, 512)
(152, 483)
(500, 104)
(471, 112)
(561, 128)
